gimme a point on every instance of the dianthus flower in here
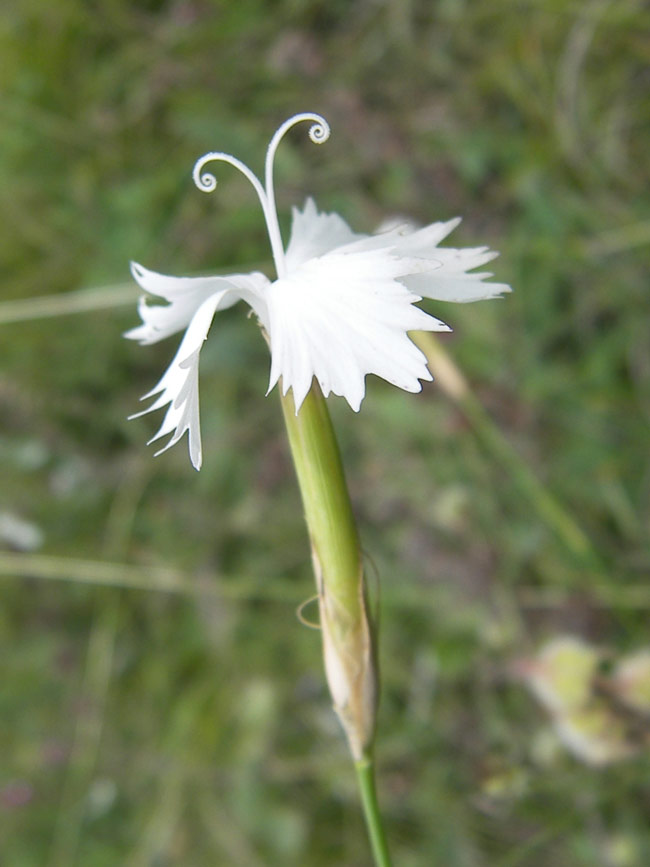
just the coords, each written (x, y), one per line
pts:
(341, 306)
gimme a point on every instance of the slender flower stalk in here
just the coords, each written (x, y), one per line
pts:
(347, 630)
(347, 627)
(365, 769)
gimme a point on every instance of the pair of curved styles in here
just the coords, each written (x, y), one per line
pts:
(341, 307)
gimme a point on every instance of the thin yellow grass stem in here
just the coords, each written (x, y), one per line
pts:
(546, 504)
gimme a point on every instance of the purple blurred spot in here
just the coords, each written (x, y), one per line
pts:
(16, 794)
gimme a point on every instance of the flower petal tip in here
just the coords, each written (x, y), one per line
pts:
(137, 270)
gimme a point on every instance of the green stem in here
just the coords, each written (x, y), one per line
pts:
(347, 629)
(365, 769)
(328, 510)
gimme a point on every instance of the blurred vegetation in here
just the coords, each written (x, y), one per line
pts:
(192, 726)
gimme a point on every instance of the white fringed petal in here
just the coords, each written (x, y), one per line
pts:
(314, 233)
(404, 238)
(449, 279)
(340, 317)
(184, 296)
(458, 287)
(422, 241)
(179, 385)
(446, 278)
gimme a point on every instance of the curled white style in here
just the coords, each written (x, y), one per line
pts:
(319, 132)
(341, 306)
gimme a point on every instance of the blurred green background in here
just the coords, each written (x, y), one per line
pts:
(179, 716)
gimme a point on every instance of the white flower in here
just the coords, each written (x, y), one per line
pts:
(341, 306)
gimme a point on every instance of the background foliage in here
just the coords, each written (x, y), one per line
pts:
(149, 727)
